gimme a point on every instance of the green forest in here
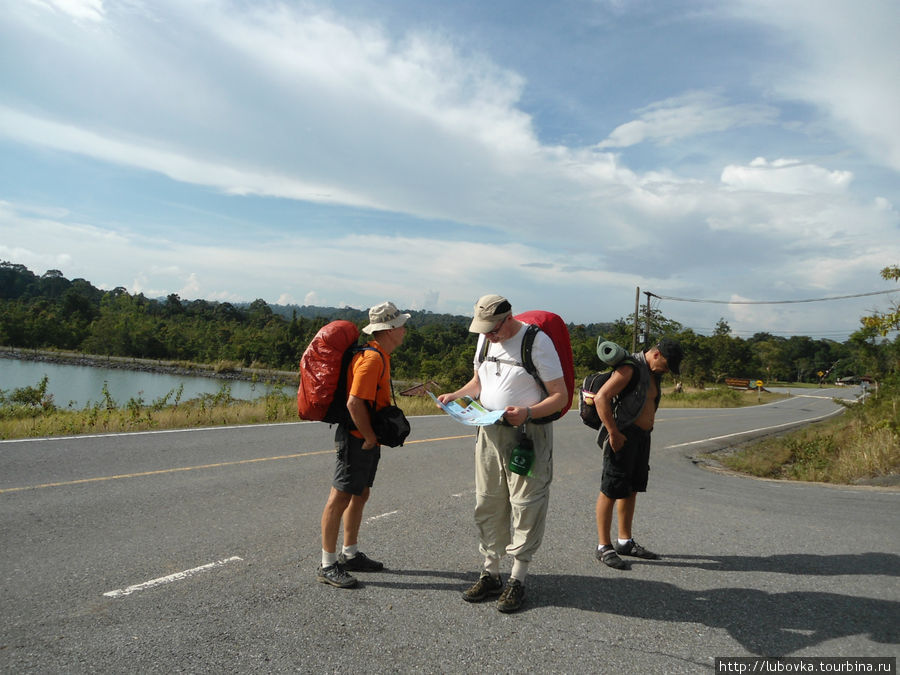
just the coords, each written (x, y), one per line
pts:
(49, 311)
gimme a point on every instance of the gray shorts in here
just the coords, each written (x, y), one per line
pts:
(354, 468)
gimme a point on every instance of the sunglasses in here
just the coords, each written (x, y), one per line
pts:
(497, 328)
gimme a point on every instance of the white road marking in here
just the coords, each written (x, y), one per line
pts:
(753, 431)
(121, 592)
(381, 515)
(153, 432)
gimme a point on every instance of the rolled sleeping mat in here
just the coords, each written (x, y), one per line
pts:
(609, 352)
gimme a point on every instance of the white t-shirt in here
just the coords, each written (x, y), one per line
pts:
(503, 383)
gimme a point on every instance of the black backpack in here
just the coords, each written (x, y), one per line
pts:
(592, 384)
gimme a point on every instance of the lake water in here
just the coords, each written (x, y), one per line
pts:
(80, 386)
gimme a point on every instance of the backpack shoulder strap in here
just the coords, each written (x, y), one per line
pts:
(366, 348)
(635, 375)
(357, 349)
(482, 353)
(630, 400)
(527, 348)
(527, 360)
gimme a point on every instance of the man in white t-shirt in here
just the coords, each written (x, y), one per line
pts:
(507, 498)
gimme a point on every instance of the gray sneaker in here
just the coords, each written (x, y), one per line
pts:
(485, 586)
(335, 576)
(512, 597)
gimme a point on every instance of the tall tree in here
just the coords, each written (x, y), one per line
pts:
(890, 320)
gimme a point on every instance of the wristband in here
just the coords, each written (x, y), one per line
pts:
(527, 414)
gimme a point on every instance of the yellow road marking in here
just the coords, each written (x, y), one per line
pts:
(99, 479)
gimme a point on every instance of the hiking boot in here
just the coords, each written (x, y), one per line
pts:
(483, 588)
(335, 576)
(360, 563)
(608, 556)
(512, 596)
(634, 549)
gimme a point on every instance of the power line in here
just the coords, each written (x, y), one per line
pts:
(770, 302)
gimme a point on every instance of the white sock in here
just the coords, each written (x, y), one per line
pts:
(350, 551)
(622, 542)
(519, 570)
(492, 566)
(328, 559)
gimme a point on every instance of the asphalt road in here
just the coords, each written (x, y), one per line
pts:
(195, 551)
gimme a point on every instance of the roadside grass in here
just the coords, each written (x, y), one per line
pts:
(717, 397)
(40, 417)
(30, 412)
(863, 445)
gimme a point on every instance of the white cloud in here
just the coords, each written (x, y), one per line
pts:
(688, 115)
(846, 65)
(319, 110)
(883, 204)
(285, 299)
(279, 270)
(140, 153)
(90, 10)
(788, 176)
(191, 288)
(312, 298)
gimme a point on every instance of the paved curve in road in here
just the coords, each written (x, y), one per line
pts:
(196, 551)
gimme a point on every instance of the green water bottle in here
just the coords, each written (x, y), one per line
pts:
(522, 458)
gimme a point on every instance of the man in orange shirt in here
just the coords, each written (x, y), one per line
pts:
(358, 450)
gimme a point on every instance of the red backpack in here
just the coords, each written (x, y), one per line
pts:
(322, 394)
(553, 325)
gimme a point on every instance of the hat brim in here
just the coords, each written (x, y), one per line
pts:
(400, 320)
(486, 326)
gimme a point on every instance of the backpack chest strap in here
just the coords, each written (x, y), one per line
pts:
(508, 362)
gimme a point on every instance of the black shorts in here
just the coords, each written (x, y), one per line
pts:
(628, 470)
(354, 468)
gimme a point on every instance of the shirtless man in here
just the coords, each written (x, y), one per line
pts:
(626, 451)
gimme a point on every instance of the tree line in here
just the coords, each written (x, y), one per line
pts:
(52, 312)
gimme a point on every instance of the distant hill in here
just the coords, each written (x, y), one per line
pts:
(417, 319)
(316, 312)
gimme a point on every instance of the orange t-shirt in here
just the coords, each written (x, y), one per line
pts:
(369, 377)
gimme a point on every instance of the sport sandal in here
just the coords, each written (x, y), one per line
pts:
(608, 556)
(635, 550)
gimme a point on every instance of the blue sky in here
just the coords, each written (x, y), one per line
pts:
(562, 154)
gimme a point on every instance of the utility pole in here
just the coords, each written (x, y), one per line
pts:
(637, 308)
(647, 321)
